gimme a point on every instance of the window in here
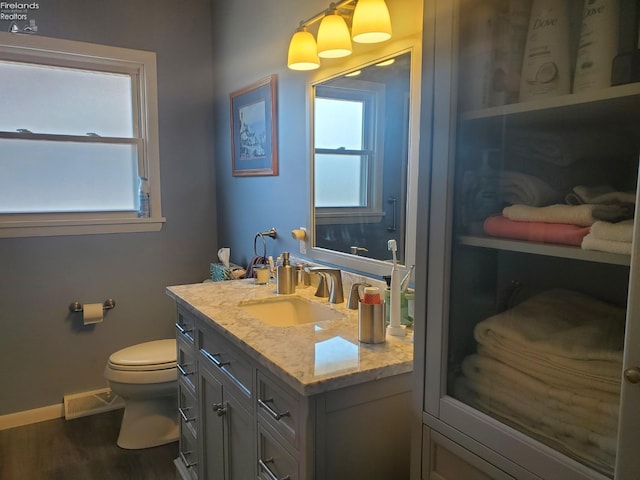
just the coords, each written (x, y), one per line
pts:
(348, 146)
(78, 138)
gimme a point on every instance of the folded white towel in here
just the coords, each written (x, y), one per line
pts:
(603, 378)
(582, 215)
(569, 214)
(578, 406)
(521, 188)
(595, 450)
(590, 242)
(559, 325)
(619, 232)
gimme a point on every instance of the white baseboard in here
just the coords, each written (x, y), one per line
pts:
(28, 417)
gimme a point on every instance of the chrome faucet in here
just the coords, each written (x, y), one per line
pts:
(335, 291)
(354, 295)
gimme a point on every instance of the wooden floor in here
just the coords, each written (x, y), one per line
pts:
(80, 449)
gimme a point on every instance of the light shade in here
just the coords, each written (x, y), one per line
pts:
(371, 22)
(303, 53)
(334, 40)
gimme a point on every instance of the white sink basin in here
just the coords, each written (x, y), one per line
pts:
(288, 311)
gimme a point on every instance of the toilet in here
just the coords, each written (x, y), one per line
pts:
(145, 377)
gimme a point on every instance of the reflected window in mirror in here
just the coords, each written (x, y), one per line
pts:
(348, 141)
(361, 135)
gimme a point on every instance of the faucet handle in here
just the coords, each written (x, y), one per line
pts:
(355, 294)
(323, 288)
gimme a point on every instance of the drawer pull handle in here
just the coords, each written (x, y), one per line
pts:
(267, 470)
(212, 357)
(219, 408)
(185, 461)
(265, 405)
(183, 414)
(183, 330)
(182, 371)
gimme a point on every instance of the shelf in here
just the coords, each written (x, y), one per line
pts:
(561, 251)
(613, 102)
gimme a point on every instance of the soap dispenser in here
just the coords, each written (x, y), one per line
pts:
(285, 276)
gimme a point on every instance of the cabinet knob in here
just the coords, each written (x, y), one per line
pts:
(632, 375)
(219, 408)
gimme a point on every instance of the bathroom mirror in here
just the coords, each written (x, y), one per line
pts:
(364, 124)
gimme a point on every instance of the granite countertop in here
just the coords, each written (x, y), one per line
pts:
(311, 358)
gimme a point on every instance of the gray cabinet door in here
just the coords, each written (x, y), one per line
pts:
(212, 434)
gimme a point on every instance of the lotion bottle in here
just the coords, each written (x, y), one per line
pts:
(598, 45)
(285, 276)
(545, 68)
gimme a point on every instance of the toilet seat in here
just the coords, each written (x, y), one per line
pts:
(145, 357)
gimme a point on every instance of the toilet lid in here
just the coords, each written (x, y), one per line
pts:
(155, 355)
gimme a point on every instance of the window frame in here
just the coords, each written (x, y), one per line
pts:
(141, 65)
(373, 96)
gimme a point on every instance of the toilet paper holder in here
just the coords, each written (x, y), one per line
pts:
(75, 307)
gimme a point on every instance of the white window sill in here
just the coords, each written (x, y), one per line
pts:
(50, 228)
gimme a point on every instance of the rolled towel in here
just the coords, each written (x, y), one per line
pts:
(590, 242)
(499, 226)
(517, 187)
(564, 147)
(603, 195)
(619, 232)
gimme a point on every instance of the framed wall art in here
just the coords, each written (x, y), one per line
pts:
(254, 137)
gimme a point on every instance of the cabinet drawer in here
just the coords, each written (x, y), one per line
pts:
(188, 455)
(278, 408)
(185, 326)
(186, 363)
(225, 358)
(188, 408)
(443, 459)
(273, 459)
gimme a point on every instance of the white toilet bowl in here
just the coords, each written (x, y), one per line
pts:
(145, 376)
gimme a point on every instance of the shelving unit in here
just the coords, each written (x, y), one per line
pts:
(544, 249)
(468, 275)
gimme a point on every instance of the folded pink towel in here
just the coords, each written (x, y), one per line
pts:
(500, 226)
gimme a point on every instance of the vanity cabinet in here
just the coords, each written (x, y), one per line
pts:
(252, 424)
(560, 307)
(226, 401)
(188, 410)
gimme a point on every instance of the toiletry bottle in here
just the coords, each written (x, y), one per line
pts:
(285, 276)
(545, 67)
(626, 65)
(371, 296)
(143, 198)
(477, 31)
(598, 45)
(510, 38)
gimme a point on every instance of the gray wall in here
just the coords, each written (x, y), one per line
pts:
(250, 42)
(44, 352)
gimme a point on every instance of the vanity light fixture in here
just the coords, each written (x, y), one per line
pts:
(371, 24)
(334, 39)
(303, 52)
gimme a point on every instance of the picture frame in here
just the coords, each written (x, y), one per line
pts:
(254, 137)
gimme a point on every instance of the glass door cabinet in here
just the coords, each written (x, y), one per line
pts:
(531, 349)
